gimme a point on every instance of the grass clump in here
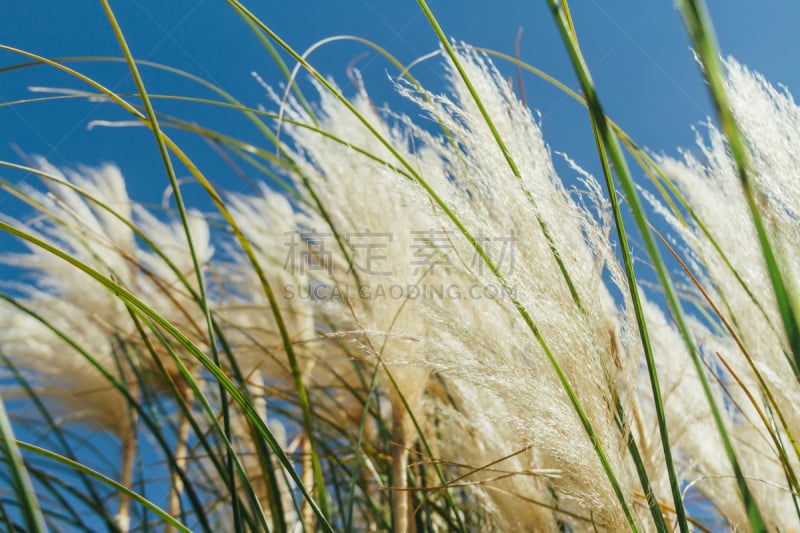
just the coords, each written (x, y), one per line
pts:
(418, 325)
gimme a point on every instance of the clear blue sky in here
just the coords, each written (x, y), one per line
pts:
(638, 52)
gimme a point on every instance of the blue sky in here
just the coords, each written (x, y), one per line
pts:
(638, 52)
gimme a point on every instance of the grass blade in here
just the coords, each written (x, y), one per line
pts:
(20, 478)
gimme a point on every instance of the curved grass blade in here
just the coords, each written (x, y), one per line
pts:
(20, 478)
(93, 498)
(74, 465)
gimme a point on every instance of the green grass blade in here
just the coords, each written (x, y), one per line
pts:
(93, 498)
(66, 461)
(21, 481)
